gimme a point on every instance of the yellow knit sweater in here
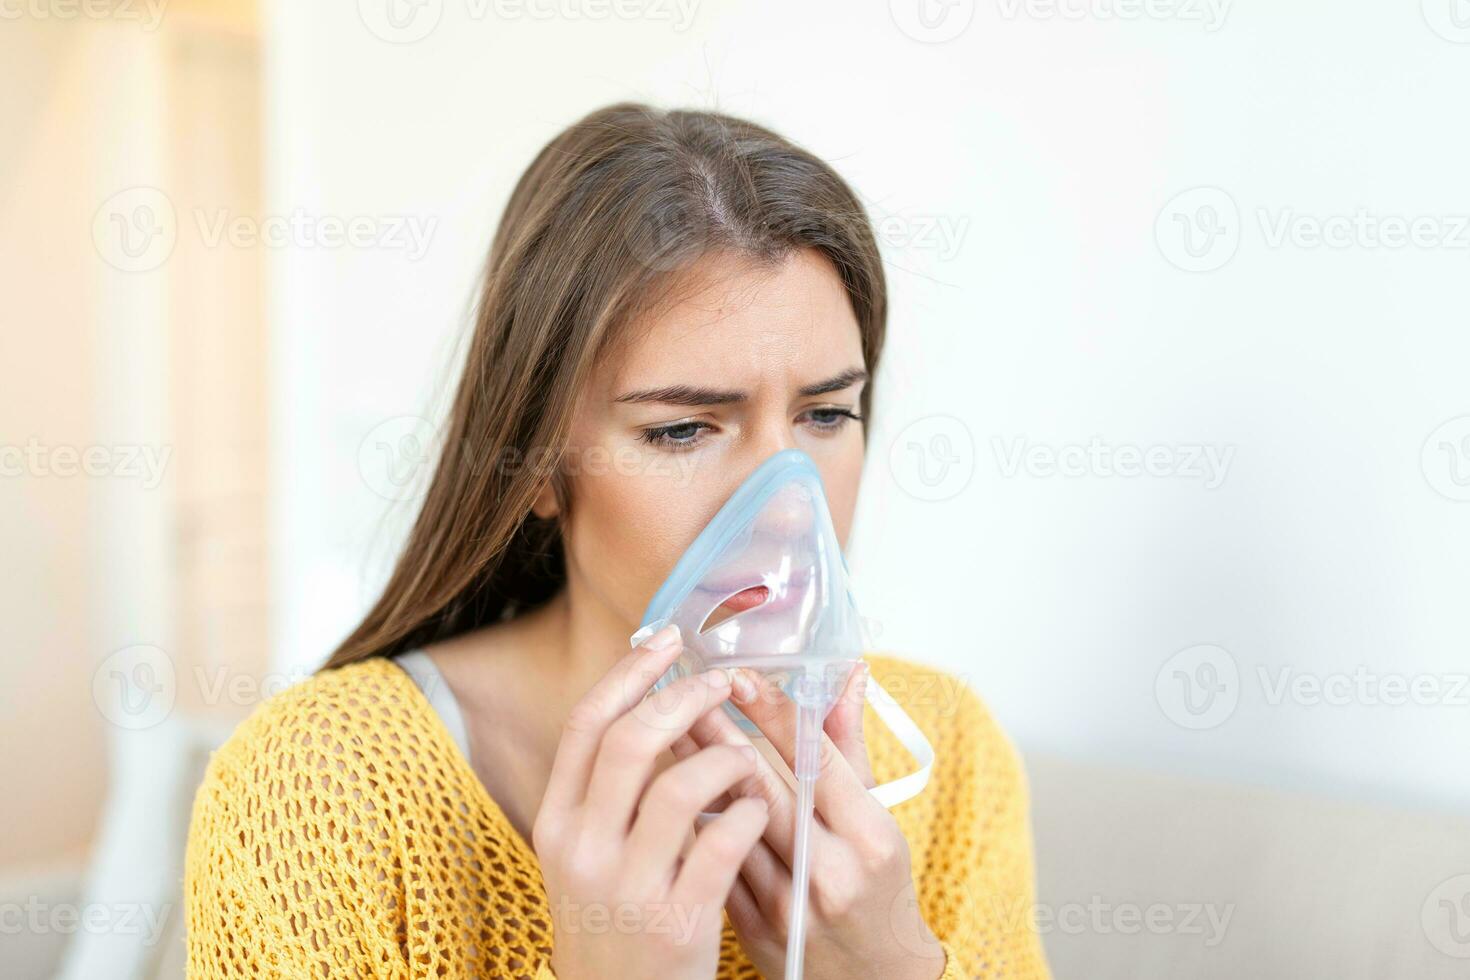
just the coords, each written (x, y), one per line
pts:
(340, 832)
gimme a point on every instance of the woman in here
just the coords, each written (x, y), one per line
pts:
(475, 783)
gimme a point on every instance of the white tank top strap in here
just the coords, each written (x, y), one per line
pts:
(425, 673)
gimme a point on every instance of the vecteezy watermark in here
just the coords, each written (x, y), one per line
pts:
(138, 687)
(1363, 686)
(408, 21)
(905, 926)
(1198, 687)
(670, 235)
(1446, 917)
(223, 685)
(1210, 13)
(672, 919)
(1099, 917)
(148, 14)
(1445, 459)
(1206, 463)
(1201, 686)
(1201, 229)
(988, 897)
(36, 917)
(137, 230)
(934, 692)
(1362, 229)
(397, 458)
(927, 689)
(135, 688)
(941, 235)
(401, 21)
(932, 21)
(406, 233)
(933, 458)
(1198, 230)
(1450, 19)
(121, 462)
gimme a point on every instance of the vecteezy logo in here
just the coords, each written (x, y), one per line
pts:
(1450, 19)
(904, 918)
(1199, 230)
(396, 456)
(401, 21)
(135, 687)
(668, 236)
(135, 230)
(932, 21)
(1446, 459)
(1198, 687)
(1446, 917)
(933, 458)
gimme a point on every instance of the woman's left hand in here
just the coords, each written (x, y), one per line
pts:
(861, 884)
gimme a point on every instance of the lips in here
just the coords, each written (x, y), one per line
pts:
(736, 600)
(746, 599)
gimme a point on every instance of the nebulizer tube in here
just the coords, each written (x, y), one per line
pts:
(811, 711)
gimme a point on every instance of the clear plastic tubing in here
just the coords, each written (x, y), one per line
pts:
(808, 759)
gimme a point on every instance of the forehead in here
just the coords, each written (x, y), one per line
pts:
(733, 322)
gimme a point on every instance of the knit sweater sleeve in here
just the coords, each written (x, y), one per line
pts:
(975, 875)
(269, 888)
(340, 833)
(233, 928)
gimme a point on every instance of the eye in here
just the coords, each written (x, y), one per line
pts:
(677, 436)
(832, 419)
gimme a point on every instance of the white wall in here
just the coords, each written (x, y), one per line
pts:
(1027, 168)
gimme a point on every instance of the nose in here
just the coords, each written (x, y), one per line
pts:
(788, 514)
(773, 434)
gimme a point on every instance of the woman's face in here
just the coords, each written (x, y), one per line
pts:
(748, 360)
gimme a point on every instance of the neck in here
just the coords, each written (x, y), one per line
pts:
(570, 643)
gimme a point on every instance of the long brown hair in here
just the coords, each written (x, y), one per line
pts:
(597, 229)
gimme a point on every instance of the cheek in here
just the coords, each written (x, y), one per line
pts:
(625, 532)
(841, 477)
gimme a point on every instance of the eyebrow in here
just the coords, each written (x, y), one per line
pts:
(692, 395)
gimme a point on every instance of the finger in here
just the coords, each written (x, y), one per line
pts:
(611, 697)
(720, 847)
(765, 783)
(631, 747)
(766, 876)
(841, 798)
(745, 912)
(683, 748)
(673, 801)
(844, 726)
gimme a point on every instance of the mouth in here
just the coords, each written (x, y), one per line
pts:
(746, 599)
(755, 596)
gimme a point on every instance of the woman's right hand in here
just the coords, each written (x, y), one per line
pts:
(608, 839)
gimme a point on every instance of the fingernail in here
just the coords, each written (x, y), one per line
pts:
(748, 751)
(664, 638)
(717, 678)
(744, 687)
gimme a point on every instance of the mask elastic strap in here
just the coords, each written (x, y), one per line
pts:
(894, 792)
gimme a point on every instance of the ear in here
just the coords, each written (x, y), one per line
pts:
(545, 506)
